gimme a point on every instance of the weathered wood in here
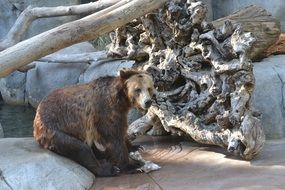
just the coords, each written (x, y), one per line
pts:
(203, 77)
(30, 14)
(87, 28)
(278, 47)
(260, 23)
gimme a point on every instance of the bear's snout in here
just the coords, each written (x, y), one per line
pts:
(147, 103)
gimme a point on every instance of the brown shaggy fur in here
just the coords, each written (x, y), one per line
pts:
(71, 121)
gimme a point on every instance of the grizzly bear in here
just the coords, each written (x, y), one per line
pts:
(88, 122)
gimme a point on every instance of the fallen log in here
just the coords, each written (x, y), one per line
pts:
(87, 28)
(260, 23)
(20, 27)
(278, 47)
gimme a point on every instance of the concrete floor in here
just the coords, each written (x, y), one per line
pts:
(187, 165)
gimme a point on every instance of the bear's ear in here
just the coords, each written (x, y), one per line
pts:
(127, 73)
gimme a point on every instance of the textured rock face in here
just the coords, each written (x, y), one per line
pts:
(46, 77)
(24, 165)
(111, 68)
(13, 88)
(223, 8)
(23, 88)
(268, 96)
(1, 131)
(9, 9)
(8, 15)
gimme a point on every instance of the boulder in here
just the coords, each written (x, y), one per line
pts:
(109, 68)
(1, 131)
(208, 4)
(46, 77)
(83, 47)
(24, 165)
(12, 88)
(41, 25)
(10, 10)
(8, 16)
(269, 94)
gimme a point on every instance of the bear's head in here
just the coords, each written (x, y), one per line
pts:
(139, 88)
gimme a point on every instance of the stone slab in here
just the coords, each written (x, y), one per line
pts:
(24, 165)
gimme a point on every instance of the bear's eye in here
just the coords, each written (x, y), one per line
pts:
(138, 91)
(149, 90)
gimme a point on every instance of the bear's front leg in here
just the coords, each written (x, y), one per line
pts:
(76, 150)
(133, 148)
(120, 155)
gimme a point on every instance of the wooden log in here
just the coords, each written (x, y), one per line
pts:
(87, 28)
(278, 47)
(260, 23)
(20, 27)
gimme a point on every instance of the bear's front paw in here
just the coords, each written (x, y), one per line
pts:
(132, 167)
(135, 148)
(107, 169)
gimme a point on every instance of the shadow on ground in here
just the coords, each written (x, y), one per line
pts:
(188, 165)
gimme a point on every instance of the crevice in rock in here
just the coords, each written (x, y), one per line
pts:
(26, 101)
(92, 185)
(150, 177)
(82, 73)
(282, 89)
(4, 179)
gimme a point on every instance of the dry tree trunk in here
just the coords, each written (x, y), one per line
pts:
(260, 23)
(85, 29)
(278, 47)
(203, 76)
(18, 30)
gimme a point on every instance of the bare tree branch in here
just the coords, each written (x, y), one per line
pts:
(87, 28)
(18, 30)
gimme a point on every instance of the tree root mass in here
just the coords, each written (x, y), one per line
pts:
(203, 76)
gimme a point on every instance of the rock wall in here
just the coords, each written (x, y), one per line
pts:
(1, 131)
(10, 9)
(29, 88)
(269, 95)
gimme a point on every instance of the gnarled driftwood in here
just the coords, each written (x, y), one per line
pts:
(203, 76)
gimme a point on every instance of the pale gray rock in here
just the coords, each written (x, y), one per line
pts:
(268, 97)
(11, 9)
(133, 115)
(1, 131)
(208, 4)
(24, 165)
(8, 16)
(83, 47)
(12, 88)
(46, 77)
(44, 24)
(105, 68)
